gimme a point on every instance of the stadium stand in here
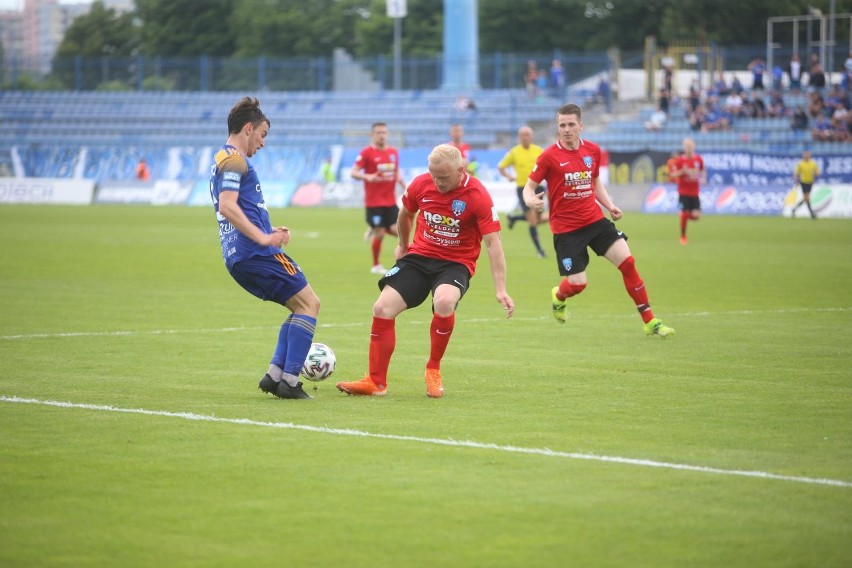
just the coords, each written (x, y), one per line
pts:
(47, 129)
(102, 135)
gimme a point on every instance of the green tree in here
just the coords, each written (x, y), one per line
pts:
(103, 32)
(422, 30)
(288, 28)
(189, 27)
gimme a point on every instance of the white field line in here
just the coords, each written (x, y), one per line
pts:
(437, 441)
(366, 323)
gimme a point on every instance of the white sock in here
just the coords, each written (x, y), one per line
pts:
(275, 372)
(291, 380)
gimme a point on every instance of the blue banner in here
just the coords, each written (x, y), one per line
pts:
(751, 169)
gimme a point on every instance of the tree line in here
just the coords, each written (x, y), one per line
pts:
(295, 28)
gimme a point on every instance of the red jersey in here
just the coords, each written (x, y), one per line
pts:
(687, 182)
(450, 225)
(380, 193)
(464, 148)
(570, 177)
(671, 166)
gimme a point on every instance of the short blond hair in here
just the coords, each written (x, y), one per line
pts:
(446, 153)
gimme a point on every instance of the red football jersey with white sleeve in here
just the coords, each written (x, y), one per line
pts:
(570, 177)
(687, 182)
(385, 162)
(450, 226)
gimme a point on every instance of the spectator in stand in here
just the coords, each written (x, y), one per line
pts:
(143, 173)
(713, 118)
(665, 101)
(794, 72)
(530, 78)
(737, 86)
(557, 78)
(822, 129)
(603, 92)
(541, 85)
(734, 104)
(776, 108)
(846, 79)
(777, 77)
(668, 74)
(757, 68)
(658, 118)
(835, 101)
(840, 130)
(816, 105)
(693, 99)
(800, 119)
(656, 121)
(719, 87)
(816, 76)
(695, 110)
(754, 106)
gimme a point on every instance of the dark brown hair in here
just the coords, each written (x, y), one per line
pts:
(246, 110)
(571, 108)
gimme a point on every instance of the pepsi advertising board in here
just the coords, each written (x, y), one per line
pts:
(720, 199)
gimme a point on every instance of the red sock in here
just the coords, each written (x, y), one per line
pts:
(377, 248)
(440, 332)
(566, 289)
(684, 216)
(382, 343)
(636, 288)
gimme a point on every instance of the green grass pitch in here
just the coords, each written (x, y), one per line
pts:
(132, 308)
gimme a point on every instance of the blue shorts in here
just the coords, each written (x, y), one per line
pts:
(276, 278)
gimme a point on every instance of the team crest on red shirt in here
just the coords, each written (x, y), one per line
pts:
(588, 161)
(458, 207)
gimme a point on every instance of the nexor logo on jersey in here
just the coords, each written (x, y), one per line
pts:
(442, 224)
(438, 219)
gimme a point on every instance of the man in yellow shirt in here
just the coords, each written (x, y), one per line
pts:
(805, 174)
(522, 159)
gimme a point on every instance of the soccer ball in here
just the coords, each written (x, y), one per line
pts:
(320, 363)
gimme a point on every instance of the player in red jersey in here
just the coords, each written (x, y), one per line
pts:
(378, 166)
(456, 140)
(571, 167)
(688, 171)
(456, 215)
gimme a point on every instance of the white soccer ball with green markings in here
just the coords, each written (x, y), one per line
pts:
(320, 363)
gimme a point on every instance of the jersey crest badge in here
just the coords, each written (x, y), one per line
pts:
(588, 161)
(567, 264)
(458, 207)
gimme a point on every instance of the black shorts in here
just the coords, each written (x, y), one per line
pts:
(572, 255)
(384, 217)
(414, 276)
(689, 203)
(806, 187)
(523, 205)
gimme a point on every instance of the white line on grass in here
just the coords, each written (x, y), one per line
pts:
(435, 441)
(365, 323)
